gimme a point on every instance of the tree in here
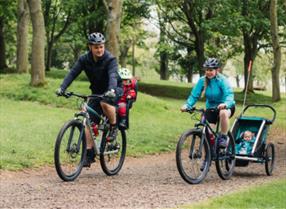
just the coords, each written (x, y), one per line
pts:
(22, 37)
(276, 52)
(163, 49)
(58, 16)
(7, 20)
(38, 43)
(191, 26)
(2, 45)
(131, 32)
(114, 8)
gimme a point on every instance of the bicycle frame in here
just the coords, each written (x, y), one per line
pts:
(86, 122)
(206, 128)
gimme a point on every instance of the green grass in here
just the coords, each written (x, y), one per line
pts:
(28, 132)
(32, 117)
(271, 195)
(176, 90)
(30, 128)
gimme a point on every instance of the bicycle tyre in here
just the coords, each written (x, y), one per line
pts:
(186, 160)
(269, 156)
(225, 161)
(67, 159)
(112, 154)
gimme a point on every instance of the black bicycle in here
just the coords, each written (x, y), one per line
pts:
(198, 147)
(70, 146)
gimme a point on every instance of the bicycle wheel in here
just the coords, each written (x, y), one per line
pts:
(269, 156)
(225, 161)
(70, 150)
(193, 164)
(112, 154)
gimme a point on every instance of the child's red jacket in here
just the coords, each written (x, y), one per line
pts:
(130, 90)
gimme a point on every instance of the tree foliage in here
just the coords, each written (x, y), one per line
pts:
(190, 31)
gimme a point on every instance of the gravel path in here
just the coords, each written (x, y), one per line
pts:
(148, 182)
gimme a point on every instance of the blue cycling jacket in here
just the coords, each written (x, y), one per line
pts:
(218, 91)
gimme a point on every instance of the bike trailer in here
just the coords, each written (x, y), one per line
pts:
(259, 151)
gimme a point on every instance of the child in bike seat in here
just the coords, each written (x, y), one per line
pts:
(129, 96)
(246, 143)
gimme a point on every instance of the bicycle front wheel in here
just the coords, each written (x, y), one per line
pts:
(112, 154)
(225, 161)
(193, 156)
(70, 149)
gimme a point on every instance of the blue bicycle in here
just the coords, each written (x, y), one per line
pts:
(70, 146)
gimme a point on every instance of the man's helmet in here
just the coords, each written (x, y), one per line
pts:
(96, 38)
(125, 73)
(211, 63)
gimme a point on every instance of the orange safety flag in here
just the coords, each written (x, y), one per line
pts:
(249, 65)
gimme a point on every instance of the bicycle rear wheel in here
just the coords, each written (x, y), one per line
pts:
(192, 163)
(269, 156)
(225, 161)
(112, 154)
(70, 150)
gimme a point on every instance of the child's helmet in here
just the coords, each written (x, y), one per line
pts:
(125, 73)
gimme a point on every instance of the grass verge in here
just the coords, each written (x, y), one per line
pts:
(271, 195)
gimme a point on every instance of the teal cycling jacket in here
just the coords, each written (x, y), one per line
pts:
(218, 91)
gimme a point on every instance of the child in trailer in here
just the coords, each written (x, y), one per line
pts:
(246, 144)
(129, 96)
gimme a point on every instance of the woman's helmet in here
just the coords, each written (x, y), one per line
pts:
(211, 63)
(125, 73)
(96, 38)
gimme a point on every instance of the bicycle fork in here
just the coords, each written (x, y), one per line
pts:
(196, 153)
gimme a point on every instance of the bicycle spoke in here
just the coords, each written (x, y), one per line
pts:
(70, 138)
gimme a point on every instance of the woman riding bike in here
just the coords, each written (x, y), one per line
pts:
(219, 95)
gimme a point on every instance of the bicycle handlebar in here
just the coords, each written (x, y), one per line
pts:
(200, 110)
(85, 97)
(194, 109)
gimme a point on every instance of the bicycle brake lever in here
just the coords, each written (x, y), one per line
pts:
(68, 94)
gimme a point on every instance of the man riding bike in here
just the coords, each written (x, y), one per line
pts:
(101, 69)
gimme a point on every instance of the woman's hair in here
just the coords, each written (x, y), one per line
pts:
(206, 83)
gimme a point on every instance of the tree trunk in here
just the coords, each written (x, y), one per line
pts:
(22, 37)
(237, 81)
(199, 45)
(164, 60)
(113, 26)
(53, 31)
(38, 43)
(2, 46)
(49, 55)
(276, 52)
(124, 48)
(190, 74)
(164, 70)
(198, 32)
(250, 50)
(249, 54)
